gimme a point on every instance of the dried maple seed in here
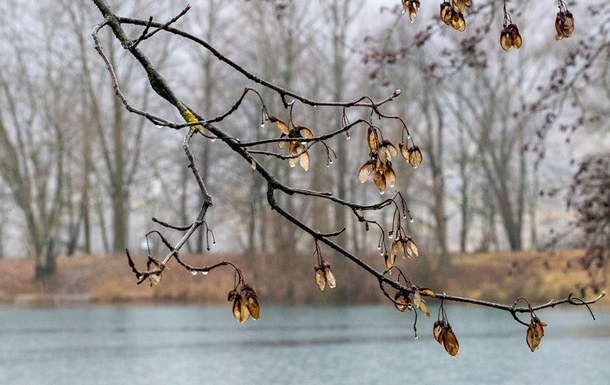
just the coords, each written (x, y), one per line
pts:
(281, 125)
(328, 274)
(394, 251)
(419, 302)
(564, 24)
(372, 139)
(240, 309)
(304, 132)
(295, 147)
(379, 166)
(304, 161)
(379, 179)
(461, 5)
(443, 334)
(404, 151)
(446, 12)
(438, 331)
(535, 332)
(390, 176)
(244, 312)
(324, 275)
(415, 156)
(365, 171)
(516, 37)
(410, 248)
(450, 341)
(510, 37)
(402, 301)
(388, 261)
(320, 277)
(410, 6)
(391, 148)
(457, 21)
(251, 301)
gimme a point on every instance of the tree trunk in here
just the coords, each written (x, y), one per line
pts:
(45, 264)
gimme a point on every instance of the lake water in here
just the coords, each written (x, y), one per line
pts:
(302, 345)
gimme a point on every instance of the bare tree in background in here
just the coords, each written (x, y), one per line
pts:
(590, 197)
(34, 135)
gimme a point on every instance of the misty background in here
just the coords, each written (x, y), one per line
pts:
(80, 175)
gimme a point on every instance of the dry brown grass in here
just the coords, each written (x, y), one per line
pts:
(503, 277)
(496, 277)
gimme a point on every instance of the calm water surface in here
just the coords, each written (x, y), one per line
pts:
(303, 345)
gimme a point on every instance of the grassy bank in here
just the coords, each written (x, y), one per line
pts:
(107, 279)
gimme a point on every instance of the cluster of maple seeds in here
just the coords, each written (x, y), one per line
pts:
(324, 275)
(442, 331)
(510, 37)
(452, 13)
(564, 22)
(444, 335)
(410, 7)
(564, 26)
(404, 242)
(245, 303)
(535, 332)
(379, 165)
(296, 148)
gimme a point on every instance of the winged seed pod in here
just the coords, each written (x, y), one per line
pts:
(372, 139)
(245, 303)
(458, 22)
(450, 341)
(324, 276)
(410, 6)
(295, 147)
(453, 13)
(437, 331)
(402, 301)
(510, 37)
(564, 24)
(389, 259)
(419, 302)
(446, 12)
(412, 155)
(240, 309)
(379, 166)
(444, 335)
(535, 332)
(320, 277)
(462, 5)
(250, 299)
(328, 273)
(409, 248)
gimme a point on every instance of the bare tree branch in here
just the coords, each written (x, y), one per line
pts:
(299, 140)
